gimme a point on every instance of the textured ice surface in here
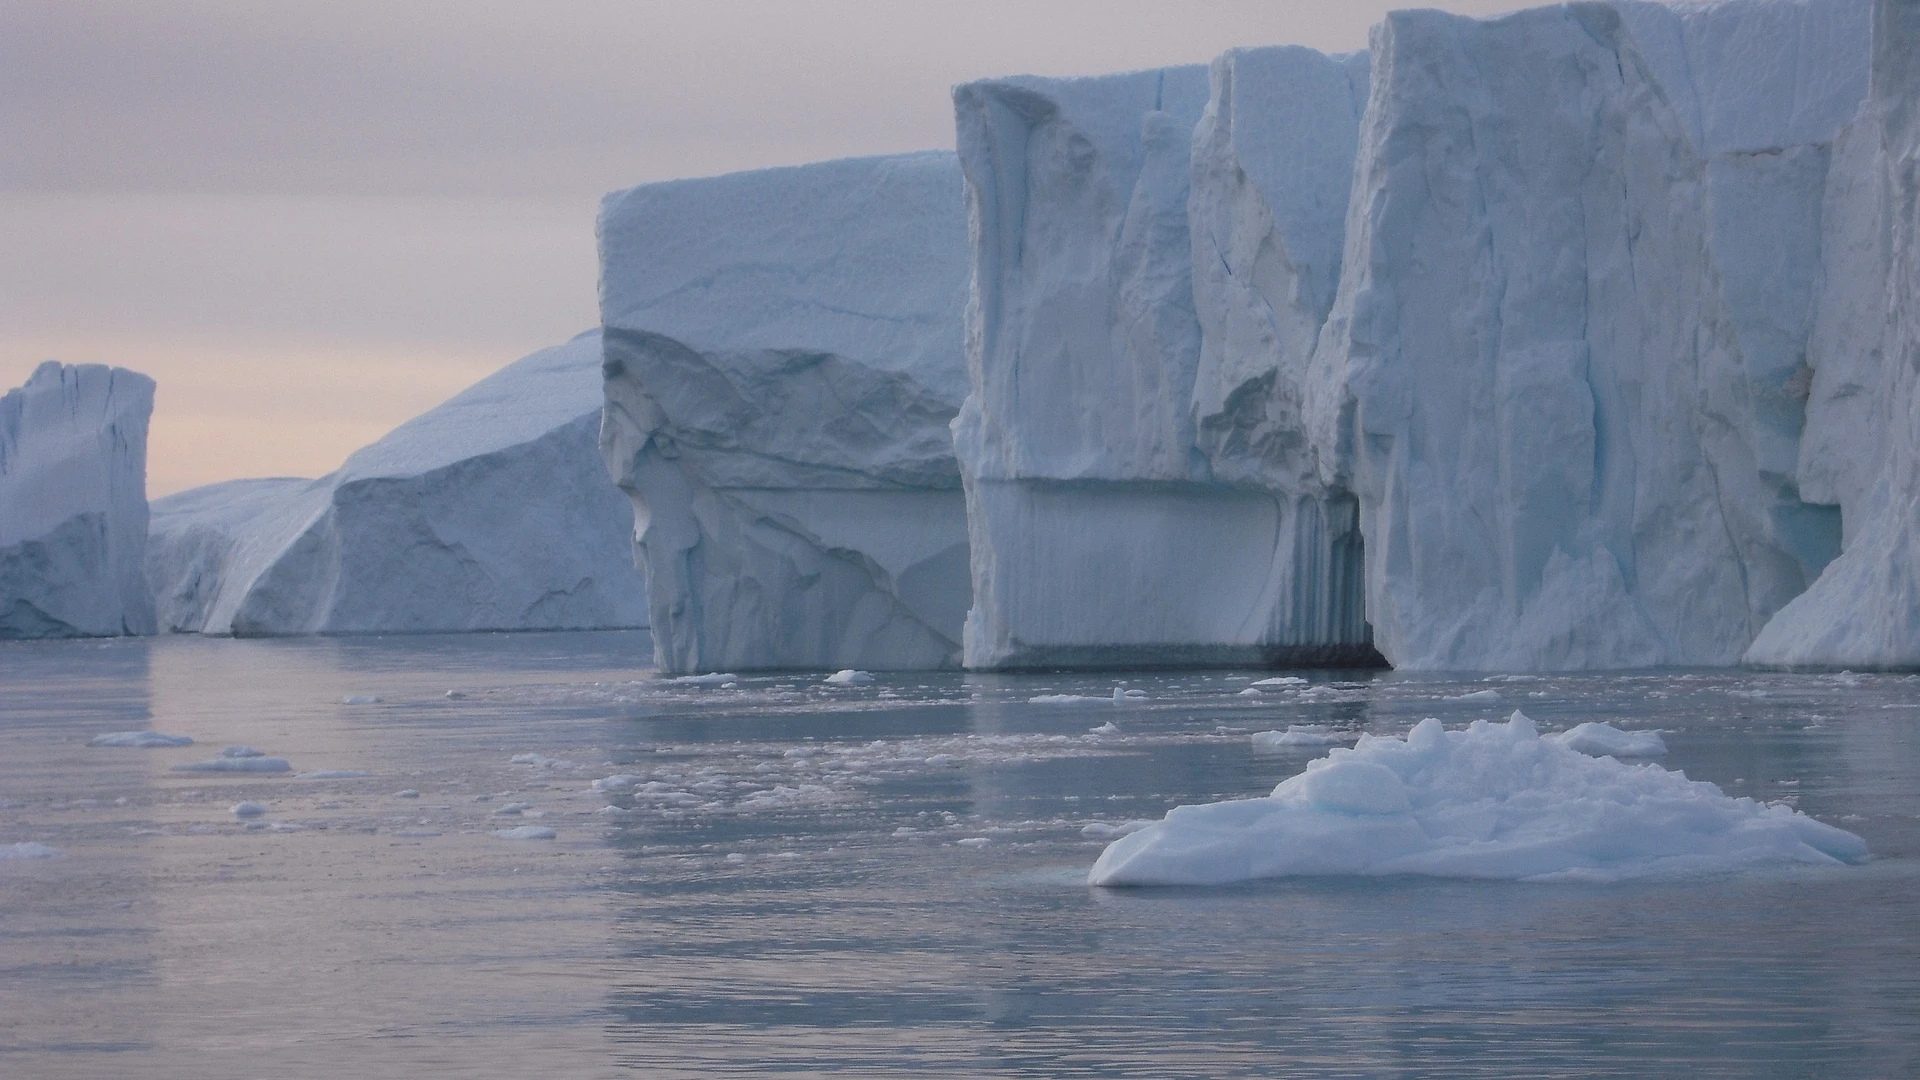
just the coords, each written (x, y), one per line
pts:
(1138, 489)
(140, 739)
(488, 512)
(1565, 370)
(1298, 735)
(525, 832)
(1606, 740)
(783, 357)
(73, 503)
(1861, 449)
(1492, 801)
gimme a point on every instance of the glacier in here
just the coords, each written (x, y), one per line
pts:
(1153, 254)
(1861, 448)
(1565, 373)
(73, 503)
(783, 358)
(488, 512)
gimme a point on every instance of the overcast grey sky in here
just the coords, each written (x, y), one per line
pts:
(310, 221)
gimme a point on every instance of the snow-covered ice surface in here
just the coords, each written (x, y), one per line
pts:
(73, 503)
(783, 357)
(490, 511)
(769, 877)
(1153, 255)
(1493, 800)
(1565, 369)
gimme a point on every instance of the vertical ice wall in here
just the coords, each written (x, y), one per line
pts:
(1137, 490)
(782, 360)
(73, 503)
(1862, 445)
(1565, 370)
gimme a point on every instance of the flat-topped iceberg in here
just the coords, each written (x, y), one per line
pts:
(783, 358)
(73, 503)
(1495, 800)
(1565, 371)
(489, 512)
(1153, 255)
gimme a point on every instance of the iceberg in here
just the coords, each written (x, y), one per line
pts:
(1861, 449)
(1495, 801)
(1154, 253)
(73, 503)
(489, 512)
(783, 356)
(1565, 370)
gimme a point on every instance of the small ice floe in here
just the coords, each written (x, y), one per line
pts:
(31, 849)
(143, 740)
(1296, 736)
(1492, 801)
(736, 857)
(541, 760)
(1100, 830)
(414, 833)
(1248, 692)
(237, 764)
(1605, 740)
(360, 699)
(1478, 695)
(848, 677)
(332, 774)
(1108, 728)
(1067, 699)
(975, 841)
(512, 809)
(245, 810)
(1282, 680)
(614, 811)
(237, 750)
(526, 832)
(948, 761)
(456, 695)
(716, 678)
(619, 782)
(1845, 678)
(1122, 695)
(409, 793)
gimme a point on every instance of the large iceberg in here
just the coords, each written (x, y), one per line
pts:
(1154, 253)
(1861, 449)
(1491, 801)
(783, 358)
(73, 503)
(489, 512)
(1565, 373)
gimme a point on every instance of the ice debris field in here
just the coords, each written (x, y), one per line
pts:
(1495, 800)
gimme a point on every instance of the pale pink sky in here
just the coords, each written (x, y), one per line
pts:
(310, 222)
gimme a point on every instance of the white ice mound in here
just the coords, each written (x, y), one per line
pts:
(1297, 736)
(848, 677)
(783, 358)
(73, 503)
(144, 740)
(489, 512)
(1861, 449)
(1492, 801)
(1565, 370)
(1605, 740)
(1154, 253)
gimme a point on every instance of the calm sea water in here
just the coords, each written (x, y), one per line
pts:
(885, 880)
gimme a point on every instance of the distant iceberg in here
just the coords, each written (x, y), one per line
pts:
(1495, 800)
(783, 358)
(488, 512)
(73, 503)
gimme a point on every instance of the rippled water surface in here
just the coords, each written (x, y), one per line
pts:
(791, 879)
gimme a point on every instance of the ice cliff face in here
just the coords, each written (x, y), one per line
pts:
(1153, 255)
(782, 361)
(1861, 449)
(73, 503)
(1566, 372)
(489, 512)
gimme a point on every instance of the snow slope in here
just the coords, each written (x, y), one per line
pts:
(783, 358)
(73, 503)
(489, 512)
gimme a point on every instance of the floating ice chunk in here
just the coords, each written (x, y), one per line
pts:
(618, 782)
(237, 764)
(974, 842)
(1100, 830)
(1297, 735)
(1282, 680)
(526, 832)
(237, 750)
(513, 809)
(410, 833)
(332, 774)
(1248, 692)
(711, 679)
(1121, 695)
(848, 677)
(245, 810)
(613, 811)
(455, 695)
(29, 850)
(1478, 695)
(1494, 800)
(1067, 699)
(541, 760)
(1602, 740)
(1108, 728)
(409, 793)
(360, 699)
(141, 739)
(944, 761)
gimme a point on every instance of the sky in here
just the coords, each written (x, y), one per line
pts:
(310, 221)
